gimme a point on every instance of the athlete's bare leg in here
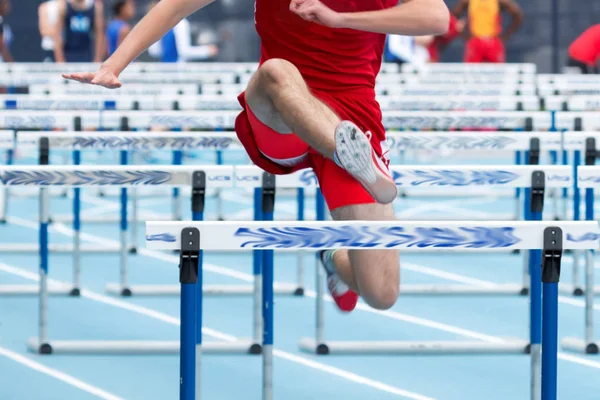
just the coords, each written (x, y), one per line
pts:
(374, 274)
(280, 99)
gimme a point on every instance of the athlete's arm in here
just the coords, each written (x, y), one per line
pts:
(163, 17)
(512, 8)
(43, 25)
(459, 9)
(412, 17)
(59, 54)
(185, 50)
(6, 56)
(99, 39)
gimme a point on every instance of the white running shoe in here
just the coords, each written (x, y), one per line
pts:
(354, 153)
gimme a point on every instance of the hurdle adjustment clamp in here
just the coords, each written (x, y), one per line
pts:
(190, 255)
(198, 191)
(590, 151)
(538, 188)
(534, 151)
(268, 192)
(44, 151)
(552, 254)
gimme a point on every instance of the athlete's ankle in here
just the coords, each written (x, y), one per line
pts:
(329, 262)
(336, 159)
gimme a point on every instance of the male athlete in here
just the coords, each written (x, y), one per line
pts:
(486, 39)
(311, 103)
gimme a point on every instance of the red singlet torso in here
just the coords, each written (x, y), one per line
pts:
(332, 60)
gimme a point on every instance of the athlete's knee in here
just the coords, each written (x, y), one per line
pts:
(381, 289)
(277, 72)
(382, 297)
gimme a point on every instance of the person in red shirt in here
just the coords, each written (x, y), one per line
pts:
(311, 104)
(584, 52)
(440, 42)
(485, 38)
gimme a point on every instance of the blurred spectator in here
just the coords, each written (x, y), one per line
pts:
(407, 49)
(5, 33)
(118, 28)
(47, 19)
(399, 49)
(439, 43)
(584, 52)
(78, 22)
(485, 39)
(176, 45)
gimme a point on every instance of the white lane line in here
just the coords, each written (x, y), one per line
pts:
(61, 376)
(478, 282)
(441, 206)
(361, 306)
(148, 312)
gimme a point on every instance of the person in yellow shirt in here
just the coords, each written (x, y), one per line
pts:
(485, 38)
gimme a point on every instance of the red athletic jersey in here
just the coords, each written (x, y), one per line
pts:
(586, 48)
(329, 59)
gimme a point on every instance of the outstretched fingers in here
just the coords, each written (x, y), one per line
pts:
(83, 77)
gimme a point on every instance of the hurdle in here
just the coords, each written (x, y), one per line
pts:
(460, 68)
(588, 179)
(123, 176)
(534, 179)
(205, 102)
(249, 177)
(468, 120)
(191, 238)
(7, 142)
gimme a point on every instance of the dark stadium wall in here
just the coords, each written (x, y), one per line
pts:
(234, 31)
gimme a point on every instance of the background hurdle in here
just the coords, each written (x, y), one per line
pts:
(78, 176)
(588, 179)
(7, 144)
(269, 236)
(535, 177)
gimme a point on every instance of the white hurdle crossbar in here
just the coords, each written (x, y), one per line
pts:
(121, 176)
(588, 179)
(191, 238)
(533, 178)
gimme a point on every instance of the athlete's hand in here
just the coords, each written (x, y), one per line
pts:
(103, 77)
(315, 11)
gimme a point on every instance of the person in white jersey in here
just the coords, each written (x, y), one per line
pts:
(47, 19)
(176, 45)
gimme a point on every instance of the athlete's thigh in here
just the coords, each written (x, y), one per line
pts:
(262, 107)
(473, 52)
(496, 51)
(376, 271)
